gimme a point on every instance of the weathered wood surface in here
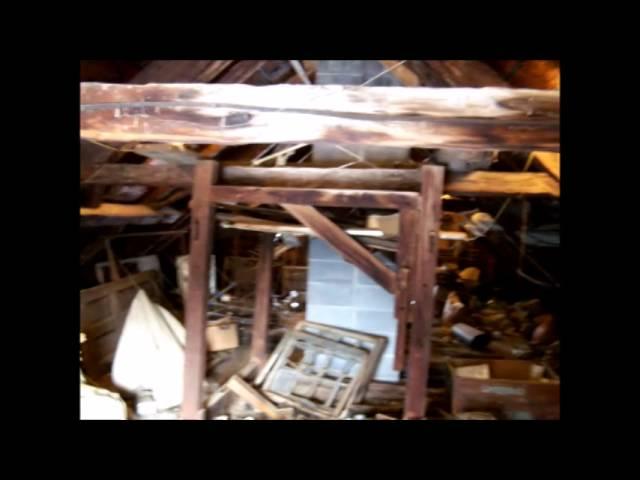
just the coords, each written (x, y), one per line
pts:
(241, 71)
(198, 289)
(173, 71)
(550, 162)
(319, 197)
(103, 310)
(405, 281)
(485, 183)
(262, 307)
(472, 183)
(466, 73)
(402, 72)
(485, 118)
(250, 395)
(350, 249)
(120, 210)
(424, 281)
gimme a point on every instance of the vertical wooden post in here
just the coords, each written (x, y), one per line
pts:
(424, 280)
(198, 289)
(404, 282)
(262, 308)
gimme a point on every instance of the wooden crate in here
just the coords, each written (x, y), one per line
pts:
(103, 310)
(509, 393)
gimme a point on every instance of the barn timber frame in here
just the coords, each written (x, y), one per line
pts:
(482, 119)
(412, 283)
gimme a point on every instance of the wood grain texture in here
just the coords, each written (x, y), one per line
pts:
(484, 183)
(350, 249)
(550, 162)
(262, 307)
(321, 197)
(254, 398)
(486, 118)
(405, 281)
(476, 183)
(198, 289)
(424, 281)
(466, 73)
(175, 71)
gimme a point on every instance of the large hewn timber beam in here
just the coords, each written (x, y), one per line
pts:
(351, 250)
(322, 197)
(473, 183)
(477, 118)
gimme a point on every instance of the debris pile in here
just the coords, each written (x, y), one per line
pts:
(315, 372)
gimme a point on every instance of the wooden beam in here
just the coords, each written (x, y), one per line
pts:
(488, 118)
(312, 196)
(483, 183)
(262, 307)
(351, 250)
(168, 71)
(402, 73)
(176, 71)
(254, 398)
(466, 73)
(119, 210)
(404, 281)
(550, 162)
(241, 71)
(424, 281)
(478, 183)
(198, 289)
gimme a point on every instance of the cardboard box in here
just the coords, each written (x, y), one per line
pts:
(222, 335)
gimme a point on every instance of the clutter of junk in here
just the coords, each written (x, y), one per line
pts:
(495, 341)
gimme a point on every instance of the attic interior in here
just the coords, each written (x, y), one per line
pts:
(320, 239)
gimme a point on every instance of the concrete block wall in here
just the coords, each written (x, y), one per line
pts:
(340, 295)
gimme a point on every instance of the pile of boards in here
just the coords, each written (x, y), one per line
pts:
(316, 372)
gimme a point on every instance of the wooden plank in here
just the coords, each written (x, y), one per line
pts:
(151, 175)
(198, 289)
(352, 251)
(478, 183)
(119, 210)
(486, 118)
(321, 197)
(482, 183)
(262, 307)
(550, 162)
(250, 395)
(406, 271)
(424, 281)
